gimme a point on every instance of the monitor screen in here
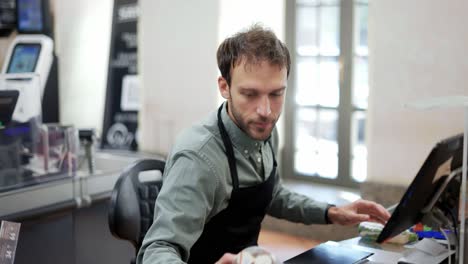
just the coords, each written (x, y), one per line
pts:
(30, 17)
(444, 158)
(24, 58)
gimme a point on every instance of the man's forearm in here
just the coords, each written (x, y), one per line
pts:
(159, 253)
(296, 207)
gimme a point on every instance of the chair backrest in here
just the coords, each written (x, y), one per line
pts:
(132, 201)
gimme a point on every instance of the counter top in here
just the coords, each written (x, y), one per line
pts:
(53, 193)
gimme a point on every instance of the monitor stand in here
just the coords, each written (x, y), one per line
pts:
(446, 102)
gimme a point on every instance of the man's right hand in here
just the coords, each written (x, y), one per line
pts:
(227, 258)
(358, 211)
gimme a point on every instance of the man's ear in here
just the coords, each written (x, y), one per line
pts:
(223, 87)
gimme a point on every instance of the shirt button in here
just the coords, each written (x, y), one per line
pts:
(259, 159)
(246, 151)
(256, 144)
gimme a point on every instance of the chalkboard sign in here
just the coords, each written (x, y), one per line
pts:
(122, 100)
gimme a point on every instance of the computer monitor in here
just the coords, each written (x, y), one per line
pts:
(24, 58)
(30, 16)
(444, 158)
(30, 54)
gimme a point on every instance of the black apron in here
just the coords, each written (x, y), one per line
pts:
(237, 226)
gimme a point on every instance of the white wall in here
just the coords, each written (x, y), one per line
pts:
(82, 39)
(236, 15)
(417, 50)
(4, 44)
(177, 62)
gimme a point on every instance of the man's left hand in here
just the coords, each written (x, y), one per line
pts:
(358, 211)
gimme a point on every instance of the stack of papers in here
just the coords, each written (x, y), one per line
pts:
(426, 251)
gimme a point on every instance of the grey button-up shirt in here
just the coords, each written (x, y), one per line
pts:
(197, 186)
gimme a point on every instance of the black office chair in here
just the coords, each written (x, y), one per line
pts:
(132, 202)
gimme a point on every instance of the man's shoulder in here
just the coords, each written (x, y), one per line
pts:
(195, 138)
(202, 137)
(201, 142)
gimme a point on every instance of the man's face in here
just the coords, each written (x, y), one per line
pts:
(255, 97)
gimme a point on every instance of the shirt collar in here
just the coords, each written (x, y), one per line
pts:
(239, 138)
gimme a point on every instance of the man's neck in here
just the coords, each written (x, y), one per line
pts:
(229, 113)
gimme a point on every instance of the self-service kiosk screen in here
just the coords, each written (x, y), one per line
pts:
(30, 16)
(24, 58)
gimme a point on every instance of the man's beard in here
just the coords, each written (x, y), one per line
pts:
(244, 124)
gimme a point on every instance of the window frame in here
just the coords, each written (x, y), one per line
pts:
(345, 107)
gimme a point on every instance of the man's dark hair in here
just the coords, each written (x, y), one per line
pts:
(255, 45)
